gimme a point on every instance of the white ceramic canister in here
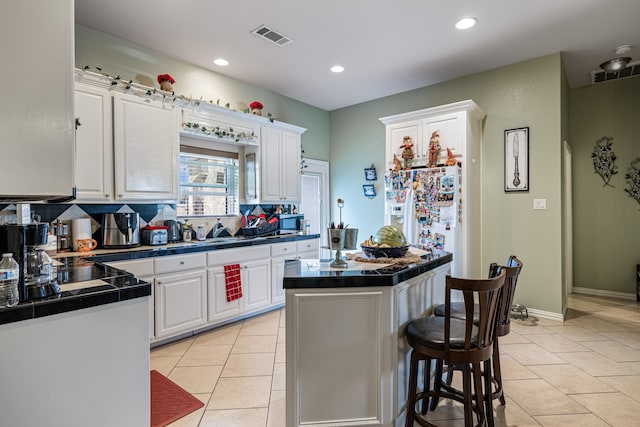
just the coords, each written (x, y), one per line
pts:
(80, 230)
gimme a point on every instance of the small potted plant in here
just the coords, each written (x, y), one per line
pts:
(256, 108)
(166, 82)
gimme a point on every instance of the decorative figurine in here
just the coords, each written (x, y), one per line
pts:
(407, 152)
(166, 82)
(451, 160)
(434, 149)
(396, 165)
(256, 108)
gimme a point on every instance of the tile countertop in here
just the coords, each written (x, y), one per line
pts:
(85, 281)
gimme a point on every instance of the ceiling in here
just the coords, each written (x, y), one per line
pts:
(386, 46)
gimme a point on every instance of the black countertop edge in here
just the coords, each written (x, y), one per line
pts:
(118, 286)
(157, 251)
(296, 278)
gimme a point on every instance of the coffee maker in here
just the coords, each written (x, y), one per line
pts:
(36, 279)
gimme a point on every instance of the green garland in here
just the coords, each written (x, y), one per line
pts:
(153, 92)
(219, 132)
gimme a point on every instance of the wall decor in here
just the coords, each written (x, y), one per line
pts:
(369, 191)
(370, 174)
(633, 180)
(604, 159)
(516, 159)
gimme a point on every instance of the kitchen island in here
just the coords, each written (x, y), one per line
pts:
(347, 361)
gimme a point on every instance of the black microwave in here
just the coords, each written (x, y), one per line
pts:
(290, 222)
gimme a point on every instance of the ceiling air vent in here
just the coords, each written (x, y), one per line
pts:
(631, 70)
(272, 36)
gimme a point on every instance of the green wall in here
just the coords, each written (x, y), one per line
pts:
(606, 219)
(522, 94)
(532, 93)
(118, 57)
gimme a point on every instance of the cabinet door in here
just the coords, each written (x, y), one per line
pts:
(218, 307)
(290, 167)
(146, 146)
(94, 144)
(270, 156)
(448, 127)
(277, 276)
(395, 138)
(181, 302)
(256, 284)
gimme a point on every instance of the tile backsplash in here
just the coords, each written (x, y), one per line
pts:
(150, 214)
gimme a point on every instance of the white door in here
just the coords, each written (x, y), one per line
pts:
(314, 197)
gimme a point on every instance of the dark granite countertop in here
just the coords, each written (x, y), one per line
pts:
(299, 274)
(86, 281)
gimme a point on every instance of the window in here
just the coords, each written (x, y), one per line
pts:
(208, 182)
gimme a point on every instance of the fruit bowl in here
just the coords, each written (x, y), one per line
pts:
(390, 252)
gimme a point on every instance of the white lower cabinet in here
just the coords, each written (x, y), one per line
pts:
(180, 294)
(255, 268)
(280, 252)
(189, 291)
(180, 302)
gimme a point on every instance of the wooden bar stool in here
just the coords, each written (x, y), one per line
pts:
(503, 326)
(457, 342)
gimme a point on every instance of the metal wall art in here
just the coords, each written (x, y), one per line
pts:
(633, 180)
(516, 159)
(604, 159)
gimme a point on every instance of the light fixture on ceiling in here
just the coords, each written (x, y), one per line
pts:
(616, 64)
(466, 23)
(337, 69)
(221, 62)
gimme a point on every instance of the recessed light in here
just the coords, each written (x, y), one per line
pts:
(466, 23)
(221, 62)
(337, 69)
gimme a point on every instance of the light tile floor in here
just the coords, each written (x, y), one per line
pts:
(584, 371)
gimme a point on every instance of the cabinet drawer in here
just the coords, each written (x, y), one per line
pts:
(279, 249)
(236, 256)
(138, 268)
(168, 264)
(308, 245)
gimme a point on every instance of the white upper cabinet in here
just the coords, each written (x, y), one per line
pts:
(146, 148)
(37, 125)
(280, 166)
(94, 144)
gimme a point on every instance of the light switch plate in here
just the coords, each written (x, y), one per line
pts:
(539, 203)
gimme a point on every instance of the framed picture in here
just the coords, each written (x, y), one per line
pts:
(516, 159)
(370, 174)
(369, 190)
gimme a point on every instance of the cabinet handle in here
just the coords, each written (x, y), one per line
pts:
(285, 249)
(107, 195)
(181, 262)
(119, 195)
(158, 282)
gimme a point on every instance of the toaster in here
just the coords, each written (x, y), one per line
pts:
(153, 235)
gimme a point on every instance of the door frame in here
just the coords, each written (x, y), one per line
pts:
(321, 168)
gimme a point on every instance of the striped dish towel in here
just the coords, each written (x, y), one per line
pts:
(233, 282)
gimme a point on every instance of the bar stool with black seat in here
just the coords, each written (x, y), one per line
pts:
(460, 343)
(503, 326)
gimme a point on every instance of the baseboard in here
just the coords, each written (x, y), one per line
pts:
(604, 293)
(546, 314)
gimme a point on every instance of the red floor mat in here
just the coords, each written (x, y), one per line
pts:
(169, 401)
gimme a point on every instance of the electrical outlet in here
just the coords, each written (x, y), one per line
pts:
(539, 203)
